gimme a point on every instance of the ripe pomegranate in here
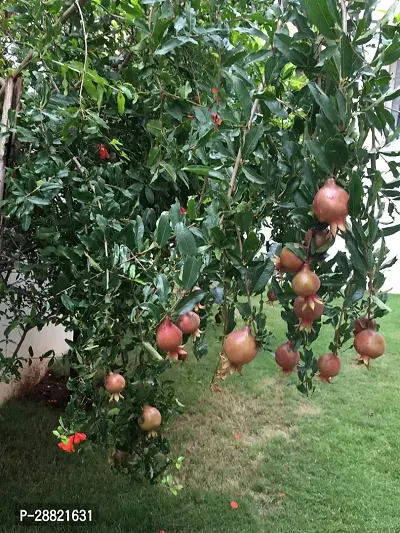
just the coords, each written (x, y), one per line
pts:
(240, 347)
(306, 314)
(289, 261)
(168, 336)
(272, 297)
(306, 284)
(286, 358)
(150, 420)
(189, 323)
(115, 383)
(370, 345)
(321, 237)
(363, 323)
(330, 206)
(329, 366)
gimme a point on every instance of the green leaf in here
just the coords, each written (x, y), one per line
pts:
(347, 57)
(259, 276)
(68, 302)
(95, 265)
(163, 289)
(191, 208)
(356, 195)
(380, 304)
(336, 152)
(169, 169)
(200, 170)
(191, 272)
(121, 103)
(317, 150)
(37, 200)
(243, 96)
(356, 256)
(189, 301)
(173, 43)
(323, 101)
(252, 175)
(185, 240)
(251, 141)
(163, 232)
(244, 309)
(391, 230)
(392, 52)
(355, 296)
(154, 127)
(320, 13)
(276, 108)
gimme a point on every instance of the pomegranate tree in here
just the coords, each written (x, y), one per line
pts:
(133, 200)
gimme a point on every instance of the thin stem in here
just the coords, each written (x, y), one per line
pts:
(78, 7)
(344, 16)
(21, 340)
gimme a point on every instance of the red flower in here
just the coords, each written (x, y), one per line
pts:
(69, 447)
(191, 117)
(215, 117)
(282, 494)
(214, 90)
(234, 505)
(79, 437)
(237, 435)
(103, 152)
(182, 211)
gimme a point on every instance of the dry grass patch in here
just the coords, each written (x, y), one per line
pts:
(206, 436)
(307, 409)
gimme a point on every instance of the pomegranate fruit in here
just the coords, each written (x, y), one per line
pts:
(329, 366)
(306, 284)
(370, 345)
(363, 323)
(115, 383)
(289, 261)
(150, 420)
(240, 347)
(321, 237)
(306, 314)
(168, 337)
(271, 295)
(177, 354)
(330, 206)
(189, 323)
(286, 358)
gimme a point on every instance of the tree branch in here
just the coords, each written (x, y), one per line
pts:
(28, 58)
(8, 95)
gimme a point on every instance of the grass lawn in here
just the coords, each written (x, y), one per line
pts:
(329, 463)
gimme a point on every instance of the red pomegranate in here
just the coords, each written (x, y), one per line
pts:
(289, 261)
(306, 284)
(115, 383)
(271, 295)
(321, 237)
(330, 206)
(370, 345)
(306, 314)
(329, 366)
(189, 323)
(240, 347)
(363, 323)
(168, 337)
(286, 358)
(150, 420)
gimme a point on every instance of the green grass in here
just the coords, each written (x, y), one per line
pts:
(334, 456)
